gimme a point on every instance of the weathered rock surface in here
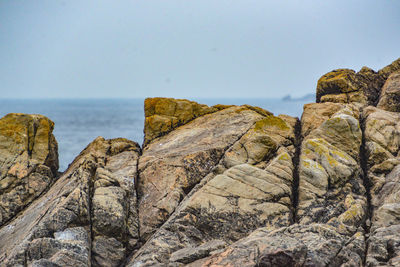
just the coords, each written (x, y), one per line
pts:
(331, 188)
(389, 69)
(345, 86)
(28, 161)
(382, 135)
(390, 95)
(215, 186)
(173, 164)
(348, 86)
(382, 139)
(162, 115)
(384, 241)
(247, 190)
(332, 200)
(88, 217)
(297, 245)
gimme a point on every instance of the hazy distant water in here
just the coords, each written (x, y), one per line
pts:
(78, 122)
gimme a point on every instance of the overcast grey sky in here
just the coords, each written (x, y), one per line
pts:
(204, 48)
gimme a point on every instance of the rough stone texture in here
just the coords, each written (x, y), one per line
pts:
(57, 229)
(187, 255)
(384, 241)
(389, 69)
(219, 186)
(28, 161)
(382, 138)
(332, 201)
(249, 188)
(162, 115)
(114, 204)
(331, 188)
(390, 95)
(173, 164)
(297, 245)
(348, 86)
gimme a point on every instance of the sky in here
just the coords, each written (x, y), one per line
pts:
(188, 48)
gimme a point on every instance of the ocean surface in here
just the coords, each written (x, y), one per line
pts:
(79, 121)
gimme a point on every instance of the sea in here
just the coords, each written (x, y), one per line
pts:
(80, 121)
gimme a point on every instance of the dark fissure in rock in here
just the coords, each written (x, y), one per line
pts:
(128, 249)
(296, 173)
(366, 182)
(90, 210)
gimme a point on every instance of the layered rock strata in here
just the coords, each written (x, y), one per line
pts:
(214, 186)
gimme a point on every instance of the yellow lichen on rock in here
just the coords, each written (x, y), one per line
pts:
(262, 141)
(336, 82)
(348, 86)
(272, 121)
(162, 115)
(389, 69)
(28, 160)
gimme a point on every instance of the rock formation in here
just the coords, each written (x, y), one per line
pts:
(28, 161)
(214, 186)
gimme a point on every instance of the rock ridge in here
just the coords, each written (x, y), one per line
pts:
(214, 186)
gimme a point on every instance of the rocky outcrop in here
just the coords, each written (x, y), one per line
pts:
(215, 186)
(331, 187)
(172, 165)
(88, 217)
(250, 186)
(389, 69)
(382, 135)
(390, 95)
(348, 86)
(296, 245)
(384, 241)
(28, 161)
(162, 115)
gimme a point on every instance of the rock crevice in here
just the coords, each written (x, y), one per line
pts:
(296, 171)
(214, 186)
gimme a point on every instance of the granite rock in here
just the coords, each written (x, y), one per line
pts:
(173, 164)
(348, 86)
(390, 95)
(214, 186)
(57, 228)
(28, 161)
(247, 189)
